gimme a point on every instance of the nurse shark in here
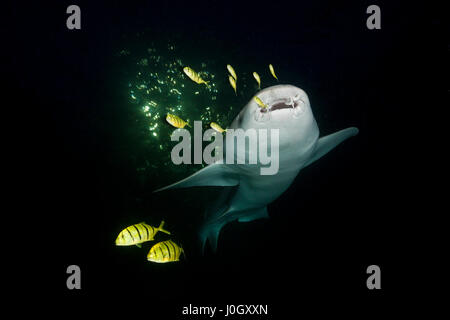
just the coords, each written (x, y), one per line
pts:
(249, 192)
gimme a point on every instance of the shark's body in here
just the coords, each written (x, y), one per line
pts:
(250, 192)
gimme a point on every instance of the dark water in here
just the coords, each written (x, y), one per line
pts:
(94, 162)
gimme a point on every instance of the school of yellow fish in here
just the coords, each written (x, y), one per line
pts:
(162, 252)
(136, 234)
(177, 122)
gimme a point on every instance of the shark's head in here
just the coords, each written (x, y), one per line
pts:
(288, 110)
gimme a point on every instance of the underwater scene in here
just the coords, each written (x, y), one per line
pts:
(165, 94)
(210, 243)
(195, 160)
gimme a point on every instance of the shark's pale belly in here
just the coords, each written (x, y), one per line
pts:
(258, 191)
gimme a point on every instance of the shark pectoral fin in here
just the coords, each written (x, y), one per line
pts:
(260, 213)
(216, 174)
(329, 142)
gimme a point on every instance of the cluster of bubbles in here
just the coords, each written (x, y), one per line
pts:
(158, 86)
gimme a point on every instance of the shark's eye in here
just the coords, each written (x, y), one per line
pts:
(262, 115)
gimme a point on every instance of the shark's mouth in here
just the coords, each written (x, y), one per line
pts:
(295, 104)
(282, 105)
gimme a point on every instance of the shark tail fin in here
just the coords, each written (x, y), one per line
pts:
(160, 228)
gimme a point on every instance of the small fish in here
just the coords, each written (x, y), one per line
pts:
(260, 103)
(138, 233)
(194, 76)
(231, 71)
(176, 121)
(233, 83)
(218, 128)
(272, 71)
(165, 251)
(258, 79)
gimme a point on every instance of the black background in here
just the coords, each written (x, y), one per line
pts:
(360, 206)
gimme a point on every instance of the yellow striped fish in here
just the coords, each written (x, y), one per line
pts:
(176, 121)
(194, 76)
(258, 79)
(218, 128)
(260, 102)
(231, 71)
(138, 233)
(272, 71)
(233, 83)
(165, 251)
